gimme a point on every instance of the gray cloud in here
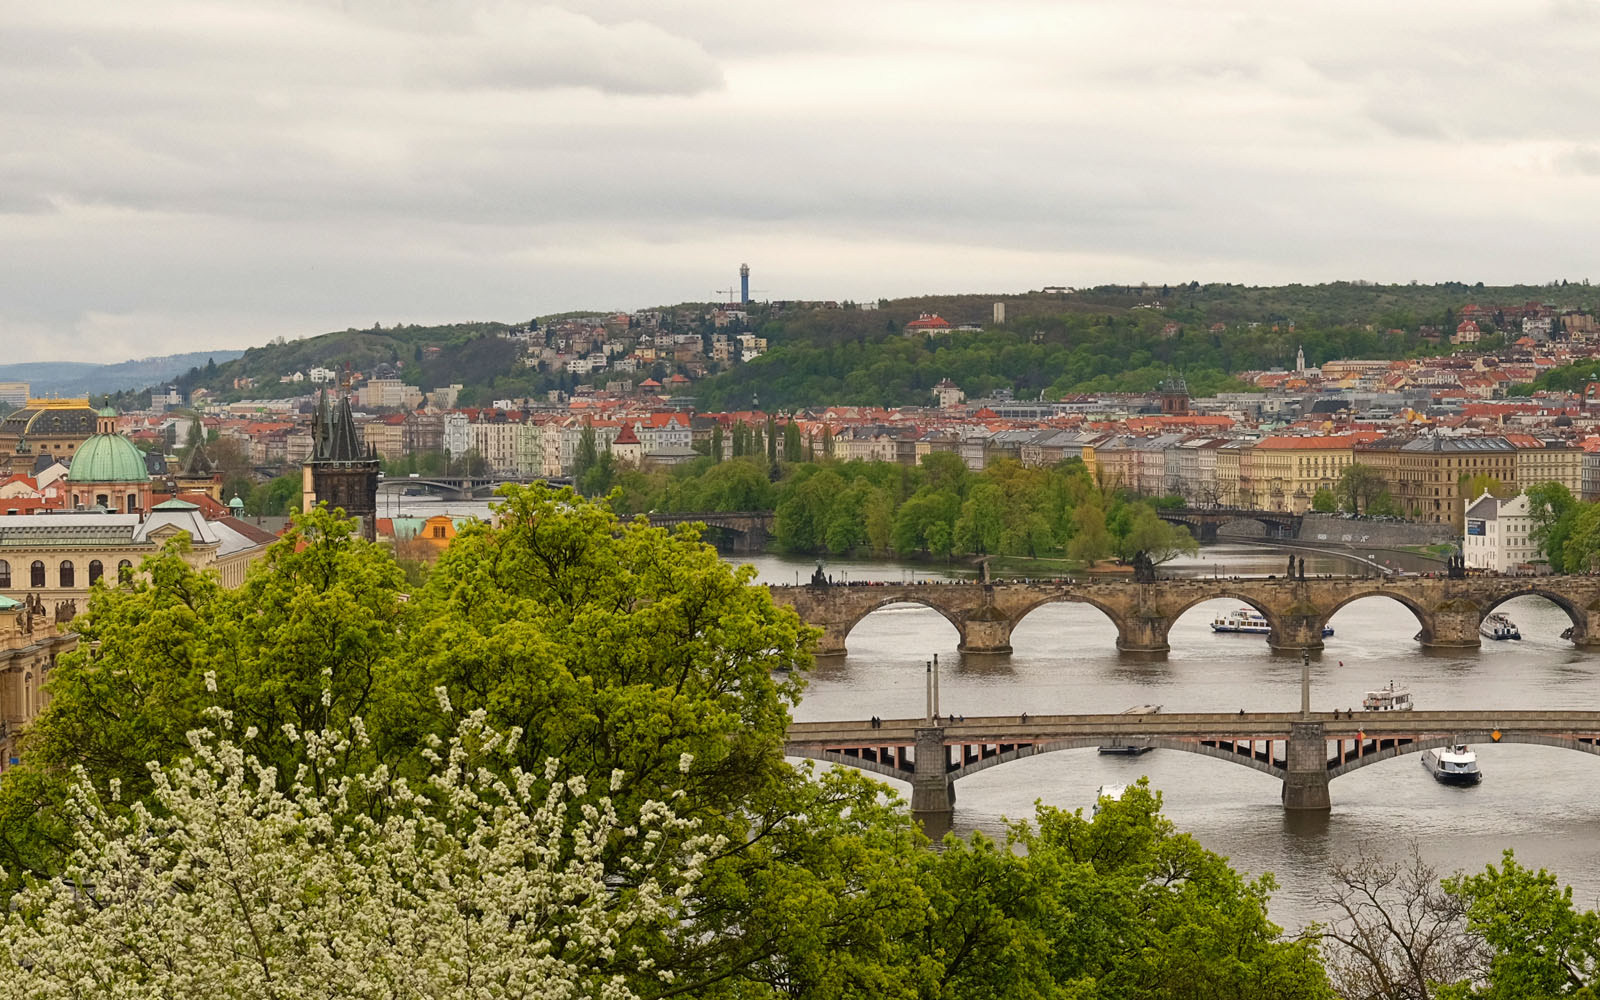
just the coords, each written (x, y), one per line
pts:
(178, 176)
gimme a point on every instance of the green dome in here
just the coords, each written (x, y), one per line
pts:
(108, 458)
(108, 412)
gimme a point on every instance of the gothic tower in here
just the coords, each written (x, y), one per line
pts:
(341, 472)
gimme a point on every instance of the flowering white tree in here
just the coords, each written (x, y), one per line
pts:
(480, 880)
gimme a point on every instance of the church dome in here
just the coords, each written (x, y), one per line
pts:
(108, 458)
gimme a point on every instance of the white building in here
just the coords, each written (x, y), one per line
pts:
(1499, 535)
(323, 375)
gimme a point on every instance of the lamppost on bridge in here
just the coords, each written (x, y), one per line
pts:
(1305, 684)
(933, 689)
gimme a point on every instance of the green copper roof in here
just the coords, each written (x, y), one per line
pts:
(236, 503)
(108, 458)
(176, 505)
(108, 412)
(7, 604)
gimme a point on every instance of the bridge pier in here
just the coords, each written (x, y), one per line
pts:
(1296, 632)
(986, 630)
(1305, 781)
(933, 794)
(1143, 634)
(1452, 625)
(831, 642)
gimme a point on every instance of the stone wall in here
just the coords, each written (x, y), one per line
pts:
(1349, 531)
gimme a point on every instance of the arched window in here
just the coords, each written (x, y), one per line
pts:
(103, 500)
(69, 578)
(133, 504)
(124, 571)
(36, 574)
(96, 571)
(5, 575)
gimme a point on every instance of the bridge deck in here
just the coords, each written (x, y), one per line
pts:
(1262, 725)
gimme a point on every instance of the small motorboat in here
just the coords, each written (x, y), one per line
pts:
(1387, 699)
(1455, 765)
(1249, 621)
(1498, 626)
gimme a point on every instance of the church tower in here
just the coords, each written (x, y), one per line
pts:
(1300, 361)
(341, 472)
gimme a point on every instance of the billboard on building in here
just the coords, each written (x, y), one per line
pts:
(1475, 526)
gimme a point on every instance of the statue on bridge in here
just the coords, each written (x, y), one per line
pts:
(1456, 567)
(1144, 569)
(819, 578)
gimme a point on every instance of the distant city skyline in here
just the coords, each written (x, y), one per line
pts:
(183, 178)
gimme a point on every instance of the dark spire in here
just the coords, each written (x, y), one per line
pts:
(344, 444)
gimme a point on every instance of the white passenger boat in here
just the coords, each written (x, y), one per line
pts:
(1389, 699)
(1498, 626)
(1105, 792)
(1454, 765)
(1249, 620)
(1132, 746)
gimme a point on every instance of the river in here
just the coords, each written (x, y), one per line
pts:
(1540, 801)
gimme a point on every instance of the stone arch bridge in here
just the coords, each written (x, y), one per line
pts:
(1306, 751)
(1448, 611)
(747, 530)
(1203, 522)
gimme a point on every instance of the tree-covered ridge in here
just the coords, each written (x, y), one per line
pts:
(1109, 338)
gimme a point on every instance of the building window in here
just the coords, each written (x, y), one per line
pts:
(69, 577)
(133, 504)
(5, 575)
(36, 574)
(97, 569)
(438, 531)
(124, 571)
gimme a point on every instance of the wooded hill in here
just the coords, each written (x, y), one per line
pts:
(1108, 338)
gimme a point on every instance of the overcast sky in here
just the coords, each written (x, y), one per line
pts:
(184, 175)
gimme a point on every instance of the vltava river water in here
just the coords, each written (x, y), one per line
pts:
(1540, 801)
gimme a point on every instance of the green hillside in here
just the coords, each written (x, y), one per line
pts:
(1108, 338)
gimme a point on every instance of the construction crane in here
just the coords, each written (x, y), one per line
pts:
(731, 293)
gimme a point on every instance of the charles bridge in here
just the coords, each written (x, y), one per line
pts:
(1306, 750)
(1448, 611)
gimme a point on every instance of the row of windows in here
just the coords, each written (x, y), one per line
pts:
(66, 573)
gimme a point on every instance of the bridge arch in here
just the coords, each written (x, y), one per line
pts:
(1578, 616)
(1423, 616)
(1230, 595)
(860, 614)
(884, 768)
(1590, 745)
(1154, 742)
(1066, 597)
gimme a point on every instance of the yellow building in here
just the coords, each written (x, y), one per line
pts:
(1425, 474)
(29, 645)
(1288, 471)
(1541, 461)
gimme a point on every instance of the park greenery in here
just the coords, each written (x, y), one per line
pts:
(1566, 529)
(554, 769)
(937, 509)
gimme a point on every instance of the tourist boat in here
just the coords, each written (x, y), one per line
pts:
(1453, 766)
(1389, 699)
(1498, 626)
(1249, 620)
(1135, 745)
(1113, 792)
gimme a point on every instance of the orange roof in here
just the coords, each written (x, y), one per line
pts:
(626, 435)
(1323, 442)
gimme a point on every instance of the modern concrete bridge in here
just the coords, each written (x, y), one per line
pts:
(1448, 611)
(1305, 750)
